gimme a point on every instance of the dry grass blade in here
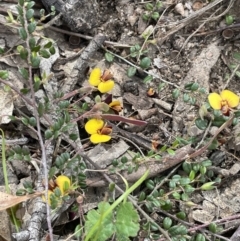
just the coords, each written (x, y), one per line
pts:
(8, 201)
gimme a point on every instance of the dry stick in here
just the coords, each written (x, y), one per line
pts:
(230, 4)
(236, 235)
(43, 149)
(191, 35)
(189, 19)
(168, 161)
(139, 68)
(231, 76)
(119, 45)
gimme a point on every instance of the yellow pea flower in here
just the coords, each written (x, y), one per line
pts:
(224, 102)
(49, 199)
(116, 106)
(63, 182)
(103, 82)
(98, 130)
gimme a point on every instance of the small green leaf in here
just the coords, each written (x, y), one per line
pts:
(40, 109)
(149, 6)
(97, 99)
(184, 181)
(22, 33)
(24, 73)
(203, 170)
(24, 53)
(150, 184)
(42, 12)
(24, 120)
(214, 145)
(30, 4)
(32, 43)
(181, 215)
(21, 2)
(206, 163)
(189, 189)
(52, 50)
(53, 8)
(176, 195)
(201, 124)
(31, 27)
(44, 53)
(178, 230)
(48, 134)
(202, 111)
(36, 48)
(24, 91)
(236, 55)
(175, 93)
(145, 62)
(159, 5)
(131, 71)
(78, 231)
(207, 186)
(194, 86)
(37, 85)
(212, 227)
(229, 19)
(188, 86)
(171, 152)
(142, 196)
(147, 79)
(32, 121)
(186, 97)
(200, 237)
(48, 45)
(145, 17)
(21, 192)
(35, 61)
(187, 167)
(167, 223)
(196, 167)
(1, 50)
(20, 10)
(73, 137)
(67, 117)
(4, 74)
(7, 88)
(192, 175)
(19, 48)
(109, 57)
(184, 197)
(29, 13)
(155, 16)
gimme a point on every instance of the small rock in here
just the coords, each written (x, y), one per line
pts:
(179, 8)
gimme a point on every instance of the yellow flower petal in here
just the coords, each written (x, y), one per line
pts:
(215, 101)
(93, 125)
(95, 77)
(63, 182)
(49, 199)
(115, 103)
(231, 98)
(104, 87)
(97, 138)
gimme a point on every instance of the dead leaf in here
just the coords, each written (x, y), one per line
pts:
(8, 200)
(123, 119)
